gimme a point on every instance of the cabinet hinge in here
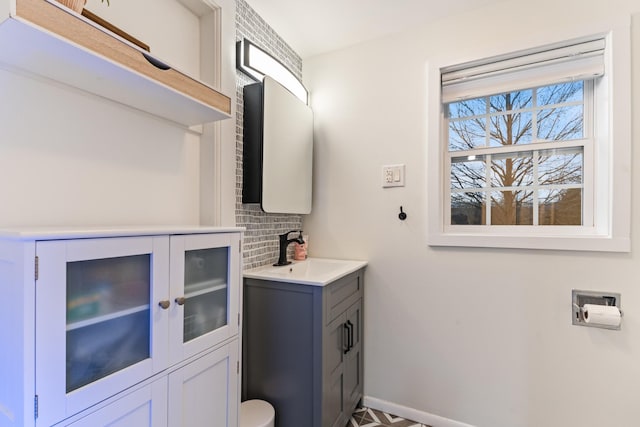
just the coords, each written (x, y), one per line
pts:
(238, 367)
(36, 268)
(238, 319)
(35, 407)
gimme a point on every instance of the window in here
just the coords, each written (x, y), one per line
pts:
(525, 152)
(517, 158)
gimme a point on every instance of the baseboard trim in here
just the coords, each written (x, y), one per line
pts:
(410, 413)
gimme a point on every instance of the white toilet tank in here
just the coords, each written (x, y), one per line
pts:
(256, 413)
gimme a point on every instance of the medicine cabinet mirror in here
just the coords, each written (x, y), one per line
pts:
(278, 149)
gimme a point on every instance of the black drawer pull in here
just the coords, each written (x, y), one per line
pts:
(153, 61)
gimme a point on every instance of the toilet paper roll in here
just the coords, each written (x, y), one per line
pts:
(601, 315)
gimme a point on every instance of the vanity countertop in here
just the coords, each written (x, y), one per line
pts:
(312, 271)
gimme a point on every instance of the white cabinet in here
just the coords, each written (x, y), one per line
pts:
(202, 393)
(205, 392)
(139, 408)
(104, 312)
(45, 38)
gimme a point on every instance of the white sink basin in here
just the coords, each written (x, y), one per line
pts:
(312, 271)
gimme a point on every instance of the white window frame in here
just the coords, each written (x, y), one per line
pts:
(586, 143)
(611, 164)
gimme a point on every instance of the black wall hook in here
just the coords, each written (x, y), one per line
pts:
(402, 216)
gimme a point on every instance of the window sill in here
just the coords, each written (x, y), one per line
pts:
(597, 243)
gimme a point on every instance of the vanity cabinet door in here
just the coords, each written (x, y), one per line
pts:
(353, 385)
(342, 358)
(205, 292)
(333, 411)
(99, 326)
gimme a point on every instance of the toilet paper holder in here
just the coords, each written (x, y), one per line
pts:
(580, 298)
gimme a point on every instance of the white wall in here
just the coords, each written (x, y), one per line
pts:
(480, 336)
(67, 158)
(70, 158)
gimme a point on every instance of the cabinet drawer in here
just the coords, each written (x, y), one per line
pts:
(342, 294)
(91, 58)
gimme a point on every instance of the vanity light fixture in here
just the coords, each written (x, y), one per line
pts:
(256, 63)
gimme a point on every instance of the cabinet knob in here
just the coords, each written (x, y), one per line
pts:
(180, 300)
(164, 304)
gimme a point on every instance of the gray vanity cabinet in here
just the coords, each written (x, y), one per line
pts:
(302, 349)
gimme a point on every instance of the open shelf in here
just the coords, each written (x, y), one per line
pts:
(106, 317)
(205, 287)
(47, 39)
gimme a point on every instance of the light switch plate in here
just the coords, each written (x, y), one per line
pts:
(392, 176)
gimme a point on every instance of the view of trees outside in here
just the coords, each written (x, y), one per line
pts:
(521, 183)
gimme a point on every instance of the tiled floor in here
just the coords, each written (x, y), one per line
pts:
(367, 417)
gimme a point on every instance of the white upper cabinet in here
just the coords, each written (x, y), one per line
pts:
(49, 40)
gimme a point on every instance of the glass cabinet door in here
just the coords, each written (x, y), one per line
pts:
(205, 289)
(107, 317)
(98, 329)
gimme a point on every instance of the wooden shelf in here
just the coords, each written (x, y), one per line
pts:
(47, 39)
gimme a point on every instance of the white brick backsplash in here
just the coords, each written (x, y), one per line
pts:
(261, 238)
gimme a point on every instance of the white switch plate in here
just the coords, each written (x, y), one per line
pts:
(392, 176)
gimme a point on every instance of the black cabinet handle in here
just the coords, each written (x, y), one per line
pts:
(345, 338)
(350, 327)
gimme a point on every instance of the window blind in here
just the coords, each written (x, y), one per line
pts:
(539, 67)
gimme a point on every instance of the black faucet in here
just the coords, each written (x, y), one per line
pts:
(284, 244)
